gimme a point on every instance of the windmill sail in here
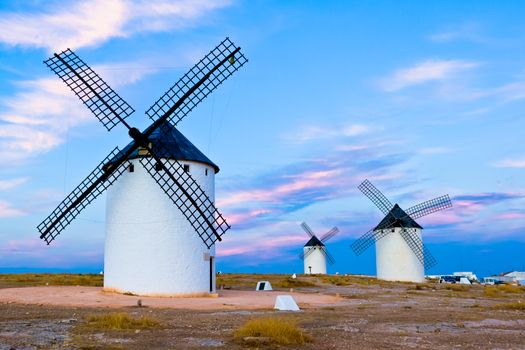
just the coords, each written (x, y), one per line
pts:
(329, 234)
(328, 256)
(376, 196)
(217, 66)
(416, 244)
(103, 101)
(307, 229)
(187, 195)
(85, 193)
(429, 207)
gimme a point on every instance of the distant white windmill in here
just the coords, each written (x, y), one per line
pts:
(400, 253)
(314, 252)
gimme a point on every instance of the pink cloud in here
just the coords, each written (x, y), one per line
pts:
(6, 211)
(28, 247)
(238, 218)
(307, 180)
(510, 216)
(264, 245)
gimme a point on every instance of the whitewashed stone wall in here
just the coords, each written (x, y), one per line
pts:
(150, 247)
(395, 260)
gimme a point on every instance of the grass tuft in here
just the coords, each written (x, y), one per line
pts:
(499, 290)
(458, 287)
(271, 330)
(516, 305)
(51, 279)
(120, 320)
(293, 283)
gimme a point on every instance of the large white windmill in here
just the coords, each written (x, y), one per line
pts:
(314, 253)
(161, 221)
(400, 252)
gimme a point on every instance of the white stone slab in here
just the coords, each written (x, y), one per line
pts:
(286, 303)
(263, 285)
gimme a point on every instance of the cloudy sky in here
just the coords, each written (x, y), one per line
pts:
(422, 98)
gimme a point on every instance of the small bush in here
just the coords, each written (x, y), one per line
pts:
(293, 283)
(271, 330)
(337, 280)
(417, 286)
(517, 305)
(498, 290)
(121, 320)
(458, 287)
(491, 291)
(511, 288)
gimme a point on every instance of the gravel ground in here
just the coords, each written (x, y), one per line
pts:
(365, 317)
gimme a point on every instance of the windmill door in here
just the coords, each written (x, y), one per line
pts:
(211, 274)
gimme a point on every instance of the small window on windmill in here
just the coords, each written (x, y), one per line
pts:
(131, 168)
(186, 168)
(206, 172)
(393, 230)
(158, 166)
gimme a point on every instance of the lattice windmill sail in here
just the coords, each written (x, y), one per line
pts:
(315, 253)
(161, 221)
(400, 252)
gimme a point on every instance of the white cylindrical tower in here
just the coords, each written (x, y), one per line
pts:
(395, 260)
(150, 247)
(314, 257)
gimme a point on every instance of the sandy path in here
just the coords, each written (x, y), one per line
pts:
(81, 296)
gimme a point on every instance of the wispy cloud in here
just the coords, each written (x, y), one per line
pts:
(93, 22)
(425, 72)
(486, 198)
(12, 183)
(36, 119)
(434, 150)
(269, 201)
(7, 211)
(468, 31)
(518, 163)
(315, 132)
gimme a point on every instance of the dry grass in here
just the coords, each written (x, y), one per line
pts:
(341, 280)
(120, 320)
(52, 279)
(419, 286)
(516, 305)
(458, 287)
(293, 283)
(271, 330)
(502, 289)
(277, 280)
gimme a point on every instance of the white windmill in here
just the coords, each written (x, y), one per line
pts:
(400, 253)
(314, 253)
(161, 222)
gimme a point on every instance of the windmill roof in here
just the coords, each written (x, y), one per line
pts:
(176, 146)
(314, 242)
(397, 218)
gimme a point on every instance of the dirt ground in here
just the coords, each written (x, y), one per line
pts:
(362, 314)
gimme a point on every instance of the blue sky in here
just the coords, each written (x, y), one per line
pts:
(422, 98)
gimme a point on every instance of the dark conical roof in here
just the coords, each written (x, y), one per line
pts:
(175, 143)
(314, 242)
(397, 218)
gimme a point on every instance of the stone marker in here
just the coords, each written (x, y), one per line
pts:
(286, 303)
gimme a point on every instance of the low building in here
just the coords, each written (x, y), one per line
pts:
(470, 275)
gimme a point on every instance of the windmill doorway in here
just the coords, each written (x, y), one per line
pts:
(211, 274)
